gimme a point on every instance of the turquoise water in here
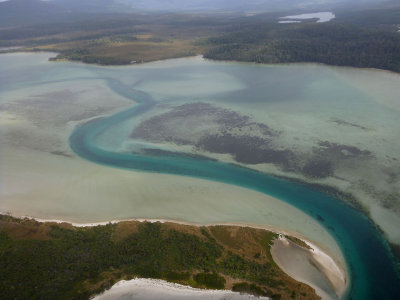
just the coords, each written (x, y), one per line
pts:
(371, 266)
(261, 91)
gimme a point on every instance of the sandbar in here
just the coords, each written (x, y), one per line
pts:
(311, 266)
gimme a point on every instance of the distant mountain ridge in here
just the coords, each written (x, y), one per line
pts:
(20, 12)
(95, 6)
(32, 6)
(29, 12)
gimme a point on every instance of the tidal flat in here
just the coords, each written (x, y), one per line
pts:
(322, 115)
(39, 167)
(336, 127)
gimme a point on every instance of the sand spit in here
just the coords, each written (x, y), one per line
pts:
(311, 266)
(144, 289)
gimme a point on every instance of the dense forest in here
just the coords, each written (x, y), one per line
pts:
(59, 261)
(330, 43)
(360, 38)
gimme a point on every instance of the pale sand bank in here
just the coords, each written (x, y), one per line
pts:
(56, 187)
(313, 267)
(149, 289)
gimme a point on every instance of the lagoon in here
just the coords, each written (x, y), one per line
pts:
(303, 104)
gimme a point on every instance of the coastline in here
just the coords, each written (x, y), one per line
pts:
(326, 264)
(271, 228)
(15, 50)
(148, 289)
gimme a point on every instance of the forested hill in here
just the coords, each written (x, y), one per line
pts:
(329, 43)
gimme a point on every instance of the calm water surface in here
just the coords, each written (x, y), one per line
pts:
(295, 89)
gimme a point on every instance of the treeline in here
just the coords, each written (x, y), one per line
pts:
(93, 27)
(385, 16)
(53, 262)
(333, 44)
(85, 56)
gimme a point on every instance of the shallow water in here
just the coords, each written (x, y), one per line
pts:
(263, 92)
(364, 249)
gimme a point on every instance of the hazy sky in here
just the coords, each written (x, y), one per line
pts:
(203, 5)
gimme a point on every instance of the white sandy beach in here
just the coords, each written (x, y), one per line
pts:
(149, 289)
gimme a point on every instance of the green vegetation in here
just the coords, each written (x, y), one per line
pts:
(298, 241)
(59, 261)
(118, 39)
(330, 43)
(362, 38)
(253, 289)
(383, 16)
(244, 287)
(210, 280)
(239, 267)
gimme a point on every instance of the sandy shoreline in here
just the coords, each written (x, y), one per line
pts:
(333, 275)
(148, 289)
(274, 229)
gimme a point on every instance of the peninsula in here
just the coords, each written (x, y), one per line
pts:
(63, 261)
